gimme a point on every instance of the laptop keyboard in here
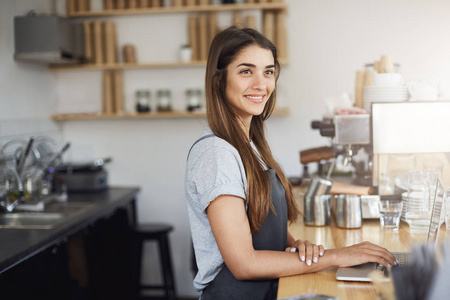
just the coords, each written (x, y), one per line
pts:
(403, 259)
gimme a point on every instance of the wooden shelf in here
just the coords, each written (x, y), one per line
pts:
(150, 115)
(128, 66)
(172, 9)
(125, 66)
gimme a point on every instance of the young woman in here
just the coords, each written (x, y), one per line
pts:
(239, 200)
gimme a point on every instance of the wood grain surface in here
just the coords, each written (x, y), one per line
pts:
(324, 282)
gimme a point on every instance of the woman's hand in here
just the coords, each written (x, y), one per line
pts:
(362, 253)
(307, 251)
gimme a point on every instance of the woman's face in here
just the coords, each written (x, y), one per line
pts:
(250, 81)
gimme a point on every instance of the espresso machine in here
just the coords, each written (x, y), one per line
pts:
(351, 147)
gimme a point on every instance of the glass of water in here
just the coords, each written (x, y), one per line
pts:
(390, 213)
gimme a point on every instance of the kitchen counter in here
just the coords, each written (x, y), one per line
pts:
(17, 245)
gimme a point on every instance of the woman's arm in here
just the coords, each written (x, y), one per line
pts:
(231, 230)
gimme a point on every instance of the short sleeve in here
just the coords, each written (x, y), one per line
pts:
(217, 172)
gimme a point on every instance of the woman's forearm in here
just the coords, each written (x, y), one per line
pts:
(275, 264)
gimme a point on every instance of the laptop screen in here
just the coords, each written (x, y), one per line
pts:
(435, 222)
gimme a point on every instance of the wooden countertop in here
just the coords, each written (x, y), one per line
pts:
(324, 282)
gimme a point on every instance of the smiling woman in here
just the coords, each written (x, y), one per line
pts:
(239, 200)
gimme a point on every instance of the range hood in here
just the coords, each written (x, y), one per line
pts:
(48, 39)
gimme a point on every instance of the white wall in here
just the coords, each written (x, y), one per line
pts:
(27, 92)
(328, 41)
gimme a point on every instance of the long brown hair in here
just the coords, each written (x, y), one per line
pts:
(225, 124)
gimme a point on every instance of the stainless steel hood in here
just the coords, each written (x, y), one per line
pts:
(48, 39)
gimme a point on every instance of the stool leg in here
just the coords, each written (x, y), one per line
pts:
(169, 282)
(136, 267)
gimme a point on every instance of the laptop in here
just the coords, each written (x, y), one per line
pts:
(361, 272)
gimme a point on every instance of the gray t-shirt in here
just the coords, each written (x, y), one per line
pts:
(214, 168)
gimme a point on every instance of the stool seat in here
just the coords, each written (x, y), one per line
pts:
(157, 232)
(152, 229)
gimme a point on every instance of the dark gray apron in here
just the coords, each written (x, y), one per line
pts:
(272, 236)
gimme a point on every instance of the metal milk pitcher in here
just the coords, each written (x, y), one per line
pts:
(317, 202)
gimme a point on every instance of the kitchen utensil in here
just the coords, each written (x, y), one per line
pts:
(24, 156)
(348, 212)
(321, 211)
(317, 208)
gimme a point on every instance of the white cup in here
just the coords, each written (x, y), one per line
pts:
(387, 79)
(185, 54)
(423, 91)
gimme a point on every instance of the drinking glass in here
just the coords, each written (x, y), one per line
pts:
(390, 212)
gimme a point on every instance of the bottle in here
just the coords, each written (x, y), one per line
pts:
(143, 101)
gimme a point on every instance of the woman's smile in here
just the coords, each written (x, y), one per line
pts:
(255, 98)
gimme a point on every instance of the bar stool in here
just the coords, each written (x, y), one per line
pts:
(158, 233)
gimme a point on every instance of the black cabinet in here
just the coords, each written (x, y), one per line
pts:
(91, 264)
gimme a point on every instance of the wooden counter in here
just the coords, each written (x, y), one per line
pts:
(324, 282)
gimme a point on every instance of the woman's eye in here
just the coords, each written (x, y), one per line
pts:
(270, 72)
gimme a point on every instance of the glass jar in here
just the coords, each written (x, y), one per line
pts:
(164, 100)
(143, 101)
(193, 99)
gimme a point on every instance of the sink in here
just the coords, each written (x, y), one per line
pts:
(54, 214)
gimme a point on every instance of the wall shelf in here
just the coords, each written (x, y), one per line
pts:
(196, 8)
(150, 115)
(125, 66)
(128, 66)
